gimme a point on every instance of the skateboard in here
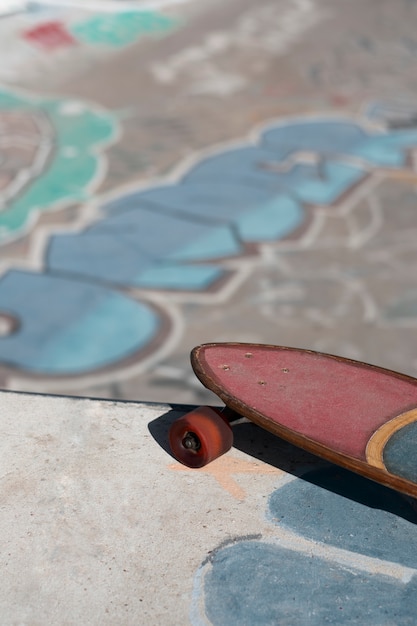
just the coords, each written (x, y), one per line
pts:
(358, 416)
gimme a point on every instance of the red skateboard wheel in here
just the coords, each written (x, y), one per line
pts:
(200, 436)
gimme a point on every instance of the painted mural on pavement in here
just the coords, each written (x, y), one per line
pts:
(324, 545)
(51, 153)
(36, 36)
(108, 30)
(340, 551)
(114, 278)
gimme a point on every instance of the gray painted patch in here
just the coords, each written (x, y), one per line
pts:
(404, 308)
(260, 584)
(342, 509)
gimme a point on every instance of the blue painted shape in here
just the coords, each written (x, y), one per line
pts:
(337, 507)
(329, 137)
(159, 235)
(259, 584)
(248, 167)
(324, 182)
(171, 236)
(222, 202)
(321, 136)
(316, 183)
(103, 257)
(272, 221)
(389, 150)
(69, 326)
(258, 214)
(187, 277)
(131, 246)
(218, 242)
(400, 452)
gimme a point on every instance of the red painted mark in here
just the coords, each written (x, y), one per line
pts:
(50, 36)
(339, 100)
(335, 403)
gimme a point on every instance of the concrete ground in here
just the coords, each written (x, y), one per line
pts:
(173, 173)
(100, 525)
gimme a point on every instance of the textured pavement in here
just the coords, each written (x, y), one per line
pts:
(172, 174)
(100, 525)
(200, 172)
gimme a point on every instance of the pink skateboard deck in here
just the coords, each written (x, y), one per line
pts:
(359, 416)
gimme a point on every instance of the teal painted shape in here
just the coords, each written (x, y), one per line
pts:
(69, 327)
(180, 277)
(254, 583)
(120, 29)
(389, 150)
(274, 220)
(79, 132)
(400, 452)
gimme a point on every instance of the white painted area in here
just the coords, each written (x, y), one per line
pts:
(109, 6)
(8, 7)
(273, 29)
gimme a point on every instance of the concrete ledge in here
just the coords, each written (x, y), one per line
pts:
(100, 525)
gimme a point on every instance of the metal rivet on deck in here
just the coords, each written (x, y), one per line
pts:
(248, 355)
(285, 370)
(224, 367)
(261, 382)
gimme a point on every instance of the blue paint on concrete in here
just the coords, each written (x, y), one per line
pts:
(321, 183)
(272, 221)
(222, 202)
(259, 584)
(214, 243)
(319, 135)
(67, 326)
(246, 167)
(244, 195)
(342, 509)
(389, 150)
(174, 277)
(123, 248)
(315, 183)
(256, 214)
(175, 236)
(329, 137)
(400, 452)
(102, 257)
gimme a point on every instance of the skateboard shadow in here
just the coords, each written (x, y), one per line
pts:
(264, 446)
